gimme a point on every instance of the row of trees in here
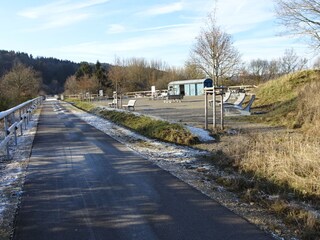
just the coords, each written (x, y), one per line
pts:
(127, 75)
(261, 70)
(138, 74)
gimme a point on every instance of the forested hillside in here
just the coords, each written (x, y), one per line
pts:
(54, 72)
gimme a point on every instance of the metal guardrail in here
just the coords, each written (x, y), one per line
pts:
(15, 119)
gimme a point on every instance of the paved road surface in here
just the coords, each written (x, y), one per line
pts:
(82, 184)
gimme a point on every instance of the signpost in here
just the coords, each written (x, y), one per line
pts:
(214, 91)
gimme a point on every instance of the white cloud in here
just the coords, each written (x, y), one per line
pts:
(168, 44)
(167, 37)
(162, 9)
(116, 28)
(157, 28)
(237, 16)
(58, 7)
(271, 47)
(59, 13)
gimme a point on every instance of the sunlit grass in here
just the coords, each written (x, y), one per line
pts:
(152, 128)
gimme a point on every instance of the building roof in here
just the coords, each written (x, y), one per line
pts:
(180, 82)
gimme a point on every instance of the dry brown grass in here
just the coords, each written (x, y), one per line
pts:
(308, 111)
(285, 162)
(281, 164)
(289, 160)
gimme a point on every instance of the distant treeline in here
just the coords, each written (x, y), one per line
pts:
(54, 72)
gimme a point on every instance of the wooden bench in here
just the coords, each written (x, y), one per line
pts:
(130, 105)
(232, 109)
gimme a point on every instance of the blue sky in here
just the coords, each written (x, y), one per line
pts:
(91, 30)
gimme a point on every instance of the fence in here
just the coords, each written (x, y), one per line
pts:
(15, 119)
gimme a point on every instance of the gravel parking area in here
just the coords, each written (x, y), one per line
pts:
(190, 111)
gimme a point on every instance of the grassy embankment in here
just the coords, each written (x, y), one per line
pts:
(149, 127)
(283, 163)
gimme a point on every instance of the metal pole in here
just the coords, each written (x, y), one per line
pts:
(222, 113)
(14, 120)
(20, 117)
(206, 109)
(214, 124)
(25, 117)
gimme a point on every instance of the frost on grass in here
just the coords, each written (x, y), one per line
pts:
(12, 173)
(146, 147)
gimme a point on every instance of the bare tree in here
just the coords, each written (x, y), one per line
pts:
(291, 62)
(258, 68)
(264, 70)
(71, 85)
(192, 71)
(214, 52)
(117, 74)
(137, 74)
(300, 18)
(274, 69)
(84, 84)
(20, 84)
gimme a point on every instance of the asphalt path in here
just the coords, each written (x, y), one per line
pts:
(83, 184)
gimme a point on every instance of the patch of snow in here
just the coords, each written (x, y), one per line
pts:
(202, 134)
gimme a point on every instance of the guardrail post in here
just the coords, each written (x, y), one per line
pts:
(5, 119)
(25, 118)
(15, 128)
(20, 117)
